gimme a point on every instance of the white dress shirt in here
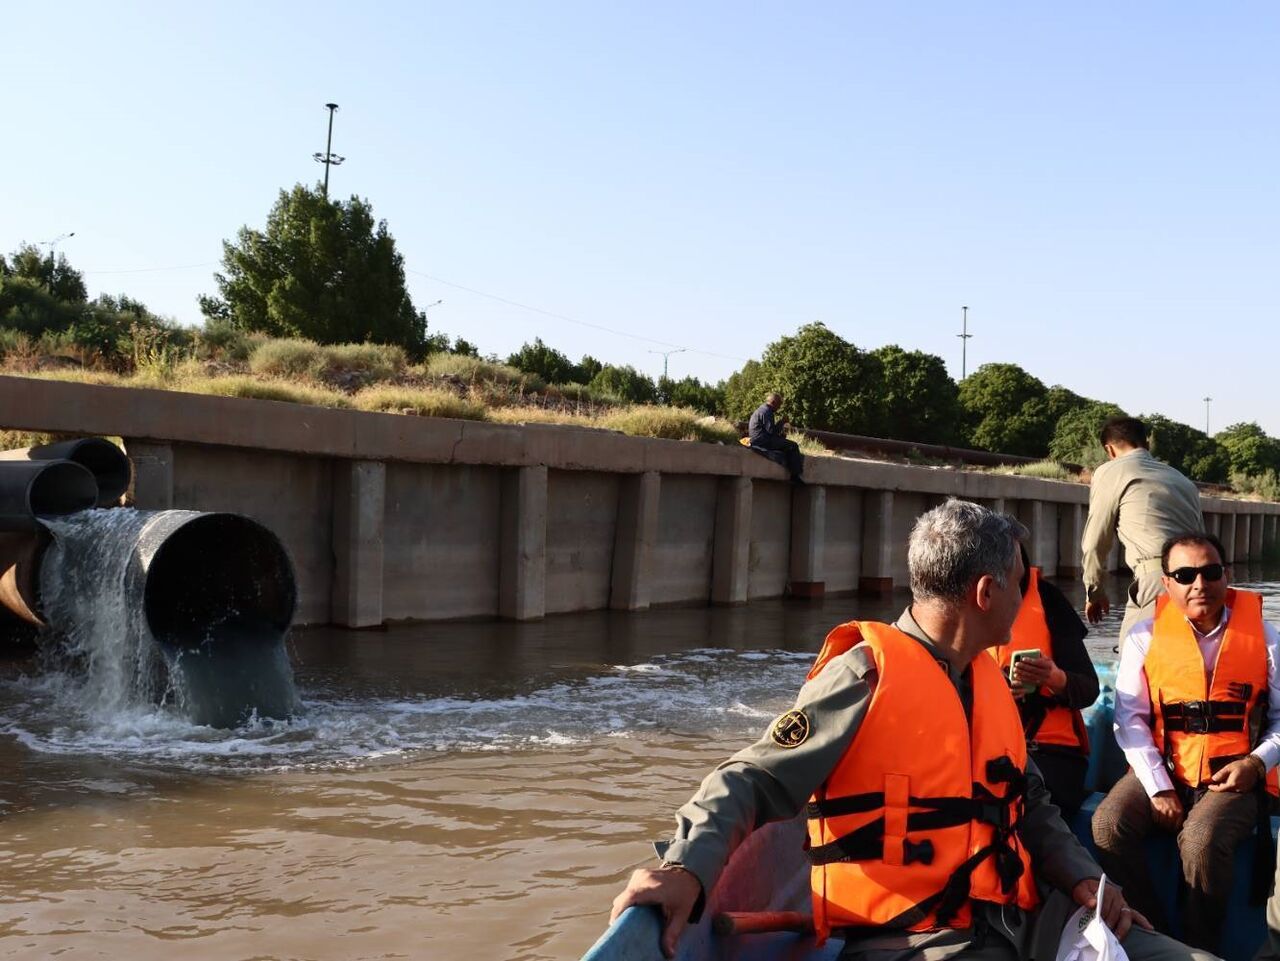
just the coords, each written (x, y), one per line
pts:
(1133, 701)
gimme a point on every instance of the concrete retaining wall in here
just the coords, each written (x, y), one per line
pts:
(390, 517)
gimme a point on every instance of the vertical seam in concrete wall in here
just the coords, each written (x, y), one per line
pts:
(633, 541)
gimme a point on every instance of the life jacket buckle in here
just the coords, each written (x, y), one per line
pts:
(997, 814)
(1195, 716)
(917, 852)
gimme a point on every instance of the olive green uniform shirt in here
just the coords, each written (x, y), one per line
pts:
(1146, 502)
(765, 782)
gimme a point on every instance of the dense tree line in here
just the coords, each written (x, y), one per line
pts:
(326, 270)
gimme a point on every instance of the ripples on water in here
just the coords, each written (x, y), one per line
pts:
(449, 791)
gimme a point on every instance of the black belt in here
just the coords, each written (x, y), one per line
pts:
(1205, 717)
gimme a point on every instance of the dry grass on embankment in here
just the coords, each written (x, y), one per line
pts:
(378, 377)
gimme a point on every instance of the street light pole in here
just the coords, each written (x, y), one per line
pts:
(328, 158)
(666, 355)
(53, 252)
(1206, 414)
(964, 336)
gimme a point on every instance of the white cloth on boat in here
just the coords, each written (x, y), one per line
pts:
(1133, 702)
(1086, 936)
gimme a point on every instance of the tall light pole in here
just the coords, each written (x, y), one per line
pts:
(53, 252)
(328, 158)
(964, 336)
(1206, 414)
(666, 355)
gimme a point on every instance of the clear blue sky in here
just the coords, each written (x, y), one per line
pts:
(1096, 181)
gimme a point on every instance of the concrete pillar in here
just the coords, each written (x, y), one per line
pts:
(998, 505)
(522, 565)
(1242, 538)
(808, 541)
(1213, 525)
(1041, 518)
(731, 552)
(1227, 534)
(1070, 534)
(1255, 537)
(633, 541)
(359, 499)
(1269, 535)
(152, 474)
(877, 543)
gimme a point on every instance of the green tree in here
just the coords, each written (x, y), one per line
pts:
(1007, 410)
(321, 269)
(548, 363)
(589, 367)
(691, 392)
(827, 382)
(921, 401)
(1250, 449)
(625, 383)
(1075, 438)
(39, 293)
(744, 391)
(1191, 451)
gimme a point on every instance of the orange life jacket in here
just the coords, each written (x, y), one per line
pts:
(1045, 720)
(1199, 720)
(918, 818)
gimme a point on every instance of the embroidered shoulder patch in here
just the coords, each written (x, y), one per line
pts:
(790, 729)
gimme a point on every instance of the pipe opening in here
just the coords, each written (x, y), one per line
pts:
(61, 487)
(219, 575)
(106, 462)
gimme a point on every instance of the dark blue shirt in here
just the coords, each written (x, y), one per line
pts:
(761, 424)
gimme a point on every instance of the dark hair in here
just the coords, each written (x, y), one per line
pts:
(1124, 430)
(1188, 540)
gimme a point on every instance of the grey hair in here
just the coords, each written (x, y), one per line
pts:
(957, 542)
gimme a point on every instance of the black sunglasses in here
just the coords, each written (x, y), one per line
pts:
(1188, 575)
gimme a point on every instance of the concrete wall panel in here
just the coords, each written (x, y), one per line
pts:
(770, 539)
(680, 568)
(842, 562)
(582, 516)
(291, 495)
(442, 534)
(907, 506)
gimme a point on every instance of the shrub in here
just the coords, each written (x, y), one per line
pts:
(222, 340)
(1044, 469)
(425, 402)
(286, 357)
(670, 423)
(252, 387)
(1265, 485)
(474, 370)
(370, 362)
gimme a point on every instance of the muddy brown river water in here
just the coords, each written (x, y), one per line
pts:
(452, 791)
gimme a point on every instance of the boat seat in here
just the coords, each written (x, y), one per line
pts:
(1246, 925)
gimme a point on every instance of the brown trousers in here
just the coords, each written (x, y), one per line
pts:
(1215, 824)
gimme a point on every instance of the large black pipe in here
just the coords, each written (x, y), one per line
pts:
(107, 462)
(30, 490)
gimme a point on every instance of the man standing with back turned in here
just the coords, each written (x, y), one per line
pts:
(1146, 502)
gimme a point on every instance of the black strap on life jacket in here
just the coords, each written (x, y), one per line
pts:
(1205, 717)
(867, 842)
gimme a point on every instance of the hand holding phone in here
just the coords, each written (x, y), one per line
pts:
(1027, 654)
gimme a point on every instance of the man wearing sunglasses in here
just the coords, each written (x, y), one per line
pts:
(1144, 501)
(1193, 719)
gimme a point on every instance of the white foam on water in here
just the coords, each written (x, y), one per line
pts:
(725, 693)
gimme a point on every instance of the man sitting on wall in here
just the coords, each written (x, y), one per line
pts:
(1192, 719)
(769, 437)
(930, 831)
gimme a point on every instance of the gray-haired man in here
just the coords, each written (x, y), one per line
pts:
(768, 436)
(907, 745)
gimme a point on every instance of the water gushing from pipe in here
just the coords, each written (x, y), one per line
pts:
(172, 607)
